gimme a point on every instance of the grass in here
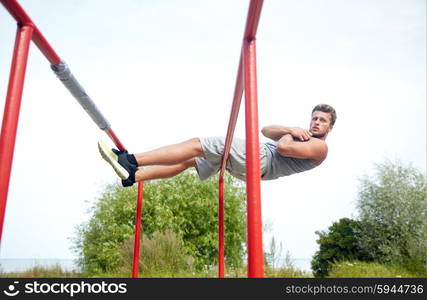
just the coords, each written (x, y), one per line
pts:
(354, 269)
(58, 272)
(357, 269)
(163, 256)
(287, 272)
(39, 271)
(180, 267)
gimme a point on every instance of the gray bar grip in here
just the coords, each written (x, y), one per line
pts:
(64, 74)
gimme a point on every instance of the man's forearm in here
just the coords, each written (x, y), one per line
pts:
(276, 132)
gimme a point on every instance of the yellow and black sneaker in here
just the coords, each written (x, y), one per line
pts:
(119, 160)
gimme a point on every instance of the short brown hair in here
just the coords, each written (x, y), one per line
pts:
(327, 109)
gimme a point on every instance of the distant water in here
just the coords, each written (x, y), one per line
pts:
(304, 264)
(8, 265)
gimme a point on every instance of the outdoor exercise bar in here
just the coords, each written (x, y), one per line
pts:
(246, 80)
(27, 31)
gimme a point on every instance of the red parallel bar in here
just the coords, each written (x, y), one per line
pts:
(253, 19)
(221, 229)
(137, 230)
(137, 238)
(21, 17)
(237, 99)
(251, 27)
(19, 14)
(115, 139)
(11, 113)
(253, 170)
(238, 91)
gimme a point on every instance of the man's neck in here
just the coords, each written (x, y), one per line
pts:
(323, 137)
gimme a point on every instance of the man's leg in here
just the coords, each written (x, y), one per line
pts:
(158, 172)
(172, 159)
(171, 155)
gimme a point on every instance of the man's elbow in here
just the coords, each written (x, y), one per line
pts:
(264, 131)
(283, 149)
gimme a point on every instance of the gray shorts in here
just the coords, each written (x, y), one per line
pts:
(213, 147)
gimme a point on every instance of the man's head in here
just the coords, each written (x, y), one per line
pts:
(323, 117)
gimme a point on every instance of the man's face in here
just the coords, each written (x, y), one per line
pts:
(320, 124)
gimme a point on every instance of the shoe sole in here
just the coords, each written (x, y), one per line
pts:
(110, 157)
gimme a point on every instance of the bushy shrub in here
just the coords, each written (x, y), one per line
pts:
(391, 228)
(338, 243)
(161, 255)
(392, 208)
(183, 204)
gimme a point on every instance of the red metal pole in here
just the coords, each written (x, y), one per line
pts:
(238, 91)
(251, 27)
(21, 17)
(253, 171)
(237, 99)
(252, 19)
(221, 228)
(137, 230)
(27, 32)
(137, 238)
(115, 139)
(11, 113)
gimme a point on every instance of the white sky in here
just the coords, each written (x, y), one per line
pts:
(164, 71)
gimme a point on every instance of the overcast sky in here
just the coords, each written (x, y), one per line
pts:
(164, 71)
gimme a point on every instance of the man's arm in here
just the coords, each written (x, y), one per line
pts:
(313, 149)
(276, 132)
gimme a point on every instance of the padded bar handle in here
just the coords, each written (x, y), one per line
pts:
(70, 82)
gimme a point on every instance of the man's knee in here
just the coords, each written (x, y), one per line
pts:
(190, 163)
(197, 146)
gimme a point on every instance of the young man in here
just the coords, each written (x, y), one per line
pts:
(294, 150)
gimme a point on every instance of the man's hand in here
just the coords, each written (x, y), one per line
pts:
(300, 133)
(276, 132)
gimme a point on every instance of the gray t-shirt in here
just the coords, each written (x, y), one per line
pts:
(279, 165)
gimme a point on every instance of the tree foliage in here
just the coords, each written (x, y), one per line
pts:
(392, 207)
(391, 227)
(183, 204)
(337, 244)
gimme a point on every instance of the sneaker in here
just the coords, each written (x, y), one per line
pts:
(123, 182)
(127, 182)
(118, 160)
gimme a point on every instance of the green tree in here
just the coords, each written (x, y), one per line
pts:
(337, 244)
(183, 204)
(392, 207)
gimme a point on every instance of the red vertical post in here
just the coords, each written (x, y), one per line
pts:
(221, 228)
(11, 113)
(252, 20)
(137, 230)
(21, 17)
(253, 170)
(238, 92)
